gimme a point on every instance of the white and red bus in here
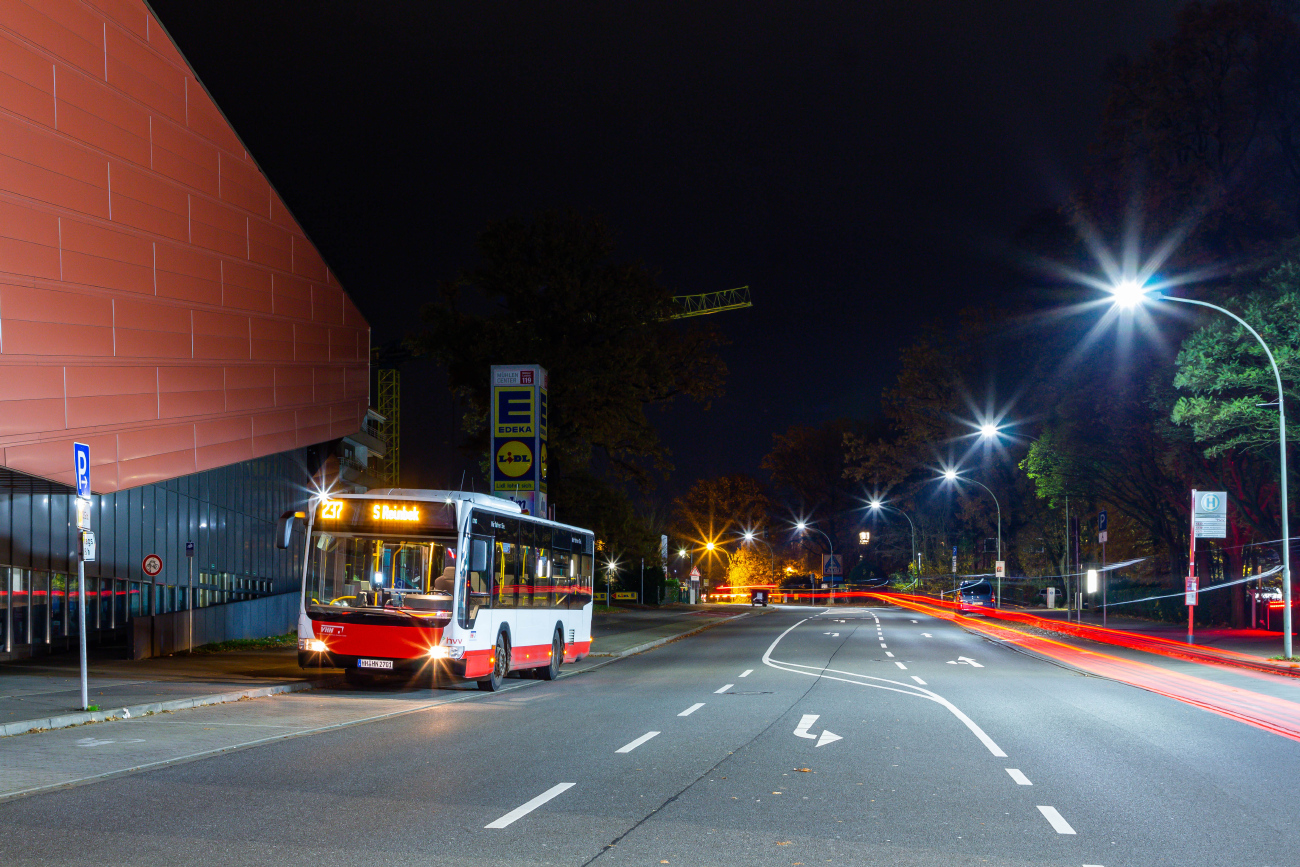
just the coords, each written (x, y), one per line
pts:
(400, 580)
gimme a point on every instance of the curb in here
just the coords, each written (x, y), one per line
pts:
(650, 645)
(68, 720)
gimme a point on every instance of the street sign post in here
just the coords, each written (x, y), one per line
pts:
(88, 546)
(189, 555)
(1102, 535)
(81, 469)
(1000, 568)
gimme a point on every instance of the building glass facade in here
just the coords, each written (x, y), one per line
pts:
(229, 513)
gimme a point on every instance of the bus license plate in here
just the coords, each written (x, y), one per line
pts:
(375, 663)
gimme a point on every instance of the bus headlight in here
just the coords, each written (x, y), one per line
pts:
(439, 653)
(316, 646)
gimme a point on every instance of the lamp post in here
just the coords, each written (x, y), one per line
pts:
(951, 476)
(682, 552)
(713, 548)
(877, 505)
(804, 527)
(1128, 294)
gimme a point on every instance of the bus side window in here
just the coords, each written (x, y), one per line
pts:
(477, 592)
(562, 577)
(505, 582)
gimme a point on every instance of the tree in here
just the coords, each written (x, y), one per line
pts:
(718, 510)
(1207, 126)
(807, 467)
(1228, 379)
(550, 291)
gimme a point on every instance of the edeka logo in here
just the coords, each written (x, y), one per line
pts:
(514, 412)
(514, 458)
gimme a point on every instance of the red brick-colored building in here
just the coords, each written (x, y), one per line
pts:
(158, 301)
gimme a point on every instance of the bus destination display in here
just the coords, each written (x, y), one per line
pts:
(386, 516)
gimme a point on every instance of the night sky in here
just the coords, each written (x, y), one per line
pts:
(861, 166)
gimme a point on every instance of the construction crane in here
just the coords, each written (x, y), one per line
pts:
(388, 359)
(712, 302)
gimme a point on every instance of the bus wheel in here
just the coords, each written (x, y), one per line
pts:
(500, 666)
(551, 670)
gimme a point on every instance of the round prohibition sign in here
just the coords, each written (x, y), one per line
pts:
(152, 565)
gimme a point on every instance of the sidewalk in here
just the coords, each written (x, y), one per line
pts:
(45, 693)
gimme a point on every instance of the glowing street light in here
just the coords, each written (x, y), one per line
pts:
(877, 505)
(1127, 295)
(988, 430)
(804, 527)
(950, 475)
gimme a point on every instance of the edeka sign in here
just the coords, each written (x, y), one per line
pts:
(519, 435)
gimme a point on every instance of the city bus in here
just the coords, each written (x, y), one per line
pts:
(419, 581)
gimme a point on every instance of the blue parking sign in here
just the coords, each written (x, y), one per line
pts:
(81, 464)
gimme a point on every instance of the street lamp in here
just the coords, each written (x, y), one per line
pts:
(803, 527)
(877, 505)
(750, 537)
(1129, 294)
(950, 475)
(713, 548)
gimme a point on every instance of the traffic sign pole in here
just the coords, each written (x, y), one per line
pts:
(189, 555)
(81, 468)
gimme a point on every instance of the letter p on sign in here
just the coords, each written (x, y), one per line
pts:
(81, 463)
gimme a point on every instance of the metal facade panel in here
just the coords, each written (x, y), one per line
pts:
(139, 240)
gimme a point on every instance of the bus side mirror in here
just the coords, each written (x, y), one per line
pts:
(284, 528)
(478, 555)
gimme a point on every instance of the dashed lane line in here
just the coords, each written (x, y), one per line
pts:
(900, 665)
(1018, 775)
(1057, 821)
(526, 808)
(918, 680)
(724, 689)
(747, 672)
(627, 748)
(692, 709)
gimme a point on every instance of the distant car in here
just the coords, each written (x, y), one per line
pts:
(974, 595)
(758, 597)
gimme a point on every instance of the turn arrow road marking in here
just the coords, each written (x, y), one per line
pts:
(965, 660)
(805, 722)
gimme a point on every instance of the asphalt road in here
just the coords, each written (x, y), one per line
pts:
(857, 736)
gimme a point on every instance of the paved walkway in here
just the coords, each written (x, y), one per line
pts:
(46, 693)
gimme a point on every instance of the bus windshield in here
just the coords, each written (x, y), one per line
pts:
(380, 573)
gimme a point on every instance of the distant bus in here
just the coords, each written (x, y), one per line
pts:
(401, 580)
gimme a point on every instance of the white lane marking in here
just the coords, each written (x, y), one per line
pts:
(1057, 821)
(724, 689)
(1019, 777)
(832, 634)
(926, 635)
(747, 672)
(889, 653)
(916, 621)
(525, 809)
(965, 660)
(918, 680)
(883, 644)
(900, 665)
(828, 737)
(907, 689)
(627, 748)
(801, 731)
(692, 709)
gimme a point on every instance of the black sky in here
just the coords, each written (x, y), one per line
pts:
(861, 166)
